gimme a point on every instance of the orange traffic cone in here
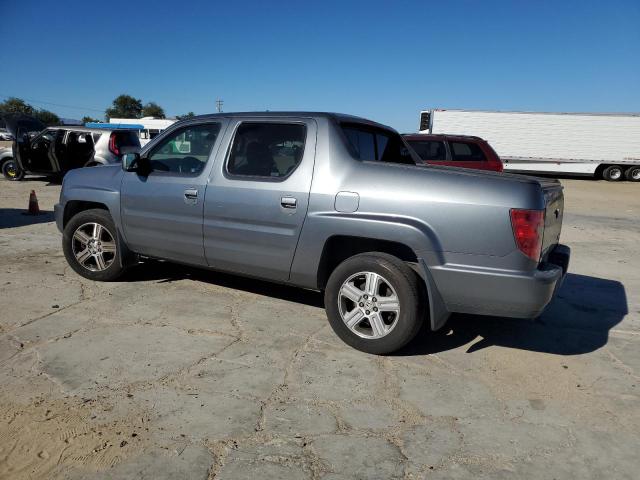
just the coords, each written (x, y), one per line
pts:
(34, 209)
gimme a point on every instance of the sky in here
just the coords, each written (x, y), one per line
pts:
(382, 60)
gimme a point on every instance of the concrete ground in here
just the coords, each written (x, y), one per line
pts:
(179, 373)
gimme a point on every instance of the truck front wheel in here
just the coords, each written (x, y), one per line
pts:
(633, 174)
(373, 302)
(612, 173)
(90, 245)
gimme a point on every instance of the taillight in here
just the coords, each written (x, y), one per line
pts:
(113, 146)
(528, 228)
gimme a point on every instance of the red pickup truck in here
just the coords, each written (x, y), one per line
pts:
(455, 150)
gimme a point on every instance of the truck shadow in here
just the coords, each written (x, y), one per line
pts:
(15, 217)
(166, 272)
(577, 321)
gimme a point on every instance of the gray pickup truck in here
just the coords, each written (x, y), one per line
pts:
(327, 202)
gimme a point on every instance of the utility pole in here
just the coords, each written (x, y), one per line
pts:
(219, 103)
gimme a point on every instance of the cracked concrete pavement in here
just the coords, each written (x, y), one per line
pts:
(179, 373)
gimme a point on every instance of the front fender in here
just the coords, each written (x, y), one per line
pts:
(96, 185)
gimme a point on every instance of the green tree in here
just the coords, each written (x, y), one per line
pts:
(125, 106)
(87, 119)
(16, 105)
(186, 115)
(47, 117)
(152, 109)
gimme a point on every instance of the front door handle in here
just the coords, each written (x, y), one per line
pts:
(191, 196)
(289, 203)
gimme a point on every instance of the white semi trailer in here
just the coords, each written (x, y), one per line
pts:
(605, 145)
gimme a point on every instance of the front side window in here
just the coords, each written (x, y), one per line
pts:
(186, 150)
(265, 149)
(429, 149)
(375, 144)
(466, 152)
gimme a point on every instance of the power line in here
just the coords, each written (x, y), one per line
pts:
(219, 103)
(54, 104)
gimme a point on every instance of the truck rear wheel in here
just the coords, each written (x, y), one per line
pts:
(90, 245)
(373, 302)
(612, 173)
(633, 174)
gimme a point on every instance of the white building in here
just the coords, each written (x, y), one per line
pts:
(151, 126)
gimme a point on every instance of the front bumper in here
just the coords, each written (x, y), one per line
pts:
(58, 213)
(502, 293)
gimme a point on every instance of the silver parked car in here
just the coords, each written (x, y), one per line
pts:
(56, 150)
(327, 202)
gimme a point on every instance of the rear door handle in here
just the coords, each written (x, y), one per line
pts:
(191, 196)
(289, 202)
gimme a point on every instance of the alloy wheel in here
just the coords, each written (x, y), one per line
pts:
(94, 246)
(368, 305)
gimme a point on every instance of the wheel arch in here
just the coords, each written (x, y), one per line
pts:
(73, 207)
(338, 248)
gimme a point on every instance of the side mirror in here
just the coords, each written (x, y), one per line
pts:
(130, 162)
(133, 162)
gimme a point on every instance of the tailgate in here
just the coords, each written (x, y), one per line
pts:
(554, 201)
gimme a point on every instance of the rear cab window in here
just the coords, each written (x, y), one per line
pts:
(266, 150)
(370, 143)
(126, 138)
(466, 151)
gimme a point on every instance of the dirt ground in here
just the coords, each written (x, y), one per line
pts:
(179, 373)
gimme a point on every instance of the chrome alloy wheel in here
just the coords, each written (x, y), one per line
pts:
(93, 246)
(368, 305)
(635, 174)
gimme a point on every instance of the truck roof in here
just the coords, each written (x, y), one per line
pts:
(340, 117)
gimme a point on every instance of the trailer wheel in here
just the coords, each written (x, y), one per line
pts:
(612, 173)
(633, 174)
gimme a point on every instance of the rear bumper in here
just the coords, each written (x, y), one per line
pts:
(484, 291)
(58, 213)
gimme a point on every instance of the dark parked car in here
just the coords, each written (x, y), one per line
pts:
(56, 150)
(455, 150)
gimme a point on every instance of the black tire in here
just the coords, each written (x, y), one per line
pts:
(613, 173)
(633, 174)
(11, 170)
(72, 245)
(401, 278)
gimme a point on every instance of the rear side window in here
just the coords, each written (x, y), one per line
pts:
(375, 144)
(429, 149)
(466, 152)
(126, 139)
(265, 149)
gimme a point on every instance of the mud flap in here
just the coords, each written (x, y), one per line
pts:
(437, 309)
